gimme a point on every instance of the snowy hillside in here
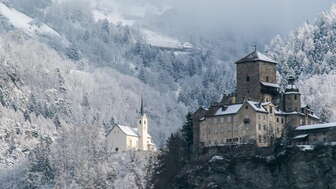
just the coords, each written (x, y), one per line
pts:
(153, 38)
(309, 53)
(25, 23)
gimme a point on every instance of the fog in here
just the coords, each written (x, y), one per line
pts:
(248, 18)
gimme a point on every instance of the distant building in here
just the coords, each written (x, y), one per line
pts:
(256, 113)
(315, 134)
(124, 138)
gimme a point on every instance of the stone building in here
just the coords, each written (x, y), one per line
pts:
(124, 138)
(257, 112)
(315, 134)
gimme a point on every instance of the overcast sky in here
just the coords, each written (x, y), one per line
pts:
(249, 17)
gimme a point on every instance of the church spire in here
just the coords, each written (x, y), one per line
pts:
(142, 107)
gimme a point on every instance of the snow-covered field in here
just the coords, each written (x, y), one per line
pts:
(26, 23)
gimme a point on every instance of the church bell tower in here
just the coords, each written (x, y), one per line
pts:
(143, 129)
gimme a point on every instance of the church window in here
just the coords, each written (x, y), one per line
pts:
(248, 78)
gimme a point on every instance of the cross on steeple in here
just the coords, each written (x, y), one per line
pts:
(255, 47)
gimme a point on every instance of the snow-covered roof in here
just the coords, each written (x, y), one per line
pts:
(316, 126)
(231, 109)
(256, 56)
(292, 92)
(267, 84)
(313, 116)
(300, 136)
(129, 130)
(259, 107)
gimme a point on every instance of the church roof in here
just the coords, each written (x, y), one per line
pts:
(129, 130)
(256, 56)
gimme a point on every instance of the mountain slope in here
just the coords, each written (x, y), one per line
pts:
(309, 53)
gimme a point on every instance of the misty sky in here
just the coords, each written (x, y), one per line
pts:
(247, 17)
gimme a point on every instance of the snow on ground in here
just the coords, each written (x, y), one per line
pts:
(113, 18)
(151, 37)
(26, 23)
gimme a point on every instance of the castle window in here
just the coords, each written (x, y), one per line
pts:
(140, 121)
(248, 78)
(259, 127)
(246, 107)
(246, 121)
(295, 97)
(267, 79)
(271, 110)
(145, 122)
(260, 139)
(282, 120)
(277, 120)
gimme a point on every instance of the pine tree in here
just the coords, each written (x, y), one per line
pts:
(187, 132)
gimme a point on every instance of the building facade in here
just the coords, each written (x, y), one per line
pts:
(256, 113)
(124, 138)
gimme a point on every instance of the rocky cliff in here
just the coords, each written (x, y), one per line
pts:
(289, 168)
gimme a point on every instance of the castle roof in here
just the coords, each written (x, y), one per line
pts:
(233, 109)
(267, 84)
(256, 56)
(317, 126)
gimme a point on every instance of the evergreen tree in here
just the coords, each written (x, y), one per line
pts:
(187, 132)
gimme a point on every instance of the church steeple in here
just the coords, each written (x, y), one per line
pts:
(142, 107)
(143, 128)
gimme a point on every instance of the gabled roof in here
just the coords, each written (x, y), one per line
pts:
(128, 130)
(259, 107)
(231, 109)
(256, 56)
(316, 126)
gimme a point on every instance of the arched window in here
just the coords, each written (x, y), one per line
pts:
(247, 78)
(267, 79)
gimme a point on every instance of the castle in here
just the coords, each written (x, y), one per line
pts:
(124, 138)
(256, 113)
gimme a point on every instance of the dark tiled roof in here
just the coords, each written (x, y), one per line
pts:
(256, 56)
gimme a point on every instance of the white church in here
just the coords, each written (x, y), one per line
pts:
(125, 138)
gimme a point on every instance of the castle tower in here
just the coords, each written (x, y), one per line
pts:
(143, 129)
(256, 78)
(292, 96)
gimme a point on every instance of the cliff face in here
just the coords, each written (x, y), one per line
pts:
(291, 168)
